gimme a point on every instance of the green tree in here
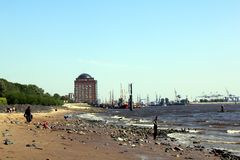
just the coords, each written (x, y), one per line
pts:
(162, 101)
(27, 94)
(167, 101)
(3, 88)
(33, 89)
(56, 96)
(3, 101)
(47, 94)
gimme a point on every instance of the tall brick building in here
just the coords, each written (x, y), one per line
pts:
(85, 89)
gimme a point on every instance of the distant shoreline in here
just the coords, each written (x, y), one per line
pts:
(232, 103)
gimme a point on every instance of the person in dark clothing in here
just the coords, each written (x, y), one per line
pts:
(222, 108)
(28, 114)
(155, 128)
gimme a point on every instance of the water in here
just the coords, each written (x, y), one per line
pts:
(206, 125)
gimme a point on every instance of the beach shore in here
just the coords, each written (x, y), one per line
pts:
(50, 136)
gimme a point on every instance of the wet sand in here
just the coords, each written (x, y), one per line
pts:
(93, 142)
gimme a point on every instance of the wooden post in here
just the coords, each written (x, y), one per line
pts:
(130, 97)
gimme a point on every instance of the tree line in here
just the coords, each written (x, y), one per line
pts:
(16, 93)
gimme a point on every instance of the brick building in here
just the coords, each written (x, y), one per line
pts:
(85, 89)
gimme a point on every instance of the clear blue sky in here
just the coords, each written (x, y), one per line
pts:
(158, 45)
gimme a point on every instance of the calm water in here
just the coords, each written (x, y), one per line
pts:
(208, 126)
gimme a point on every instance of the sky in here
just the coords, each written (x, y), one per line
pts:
(158, 45)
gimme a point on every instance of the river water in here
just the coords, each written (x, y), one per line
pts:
(207, 126)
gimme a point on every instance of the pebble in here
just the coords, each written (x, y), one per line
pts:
(28, 145)
(81, 133)
(133, 145)
(123, 144)
(34, 146)
(167, 150)
(157, 143)
(120, 139)
(178, 149)
(196, 142)
(7, 142)
(124, 151)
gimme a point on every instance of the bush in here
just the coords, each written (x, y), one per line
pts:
(3, 101)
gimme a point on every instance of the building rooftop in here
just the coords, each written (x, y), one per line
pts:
(84, 76)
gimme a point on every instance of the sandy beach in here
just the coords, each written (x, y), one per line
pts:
(36, 141)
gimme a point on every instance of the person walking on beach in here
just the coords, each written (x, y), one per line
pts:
(28, 114)
(155, 128)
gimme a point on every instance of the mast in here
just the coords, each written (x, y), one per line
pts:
(121, 91)
(112, 97)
